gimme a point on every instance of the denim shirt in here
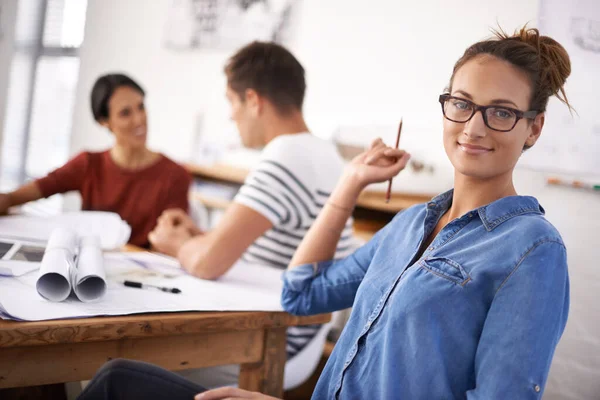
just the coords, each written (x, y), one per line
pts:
(477, 316)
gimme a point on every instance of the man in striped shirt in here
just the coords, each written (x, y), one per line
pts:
(283, 194)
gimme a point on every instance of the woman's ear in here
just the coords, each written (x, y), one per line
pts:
(104, 123)
(536, 129)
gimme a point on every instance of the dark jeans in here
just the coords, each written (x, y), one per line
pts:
(131, 380)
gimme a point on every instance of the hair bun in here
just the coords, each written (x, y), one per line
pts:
(555, 64)
(555, 61)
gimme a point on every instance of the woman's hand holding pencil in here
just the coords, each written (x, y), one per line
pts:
(378, 164)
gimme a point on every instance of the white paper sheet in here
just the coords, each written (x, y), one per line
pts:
(18, 257)
(246, 287)
(17, 268)
(112, 230)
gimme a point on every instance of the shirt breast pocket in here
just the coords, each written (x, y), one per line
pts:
(447, 269)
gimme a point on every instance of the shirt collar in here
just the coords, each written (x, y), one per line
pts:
(495, 213)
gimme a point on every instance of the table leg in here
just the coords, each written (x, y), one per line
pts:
(267, 376)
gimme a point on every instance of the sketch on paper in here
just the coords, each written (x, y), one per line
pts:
(227, 24)
(569, 142)
(586, 33)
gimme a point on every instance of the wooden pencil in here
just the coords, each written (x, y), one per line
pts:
(388, 194)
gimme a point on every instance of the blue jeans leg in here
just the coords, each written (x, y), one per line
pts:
(127, 379)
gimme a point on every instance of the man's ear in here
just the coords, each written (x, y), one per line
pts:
(254, 103)
(536, 129)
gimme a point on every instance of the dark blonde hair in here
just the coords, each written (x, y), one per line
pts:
(542, 58)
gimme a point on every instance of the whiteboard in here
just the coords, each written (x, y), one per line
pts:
(571, 143)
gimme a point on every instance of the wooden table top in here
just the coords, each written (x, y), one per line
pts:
(98, 329)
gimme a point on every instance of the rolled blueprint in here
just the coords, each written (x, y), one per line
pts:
(54, 282)
(88, 277)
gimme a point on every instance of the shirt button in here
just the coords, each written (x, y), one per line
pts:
(537, 388)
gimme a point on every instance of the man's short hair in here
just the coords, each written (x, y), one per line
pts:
(272, 71)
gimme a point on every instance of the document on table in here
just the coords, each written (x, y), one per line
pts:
(72, 264)
(19, 257)
(246, 287)
(112, 230)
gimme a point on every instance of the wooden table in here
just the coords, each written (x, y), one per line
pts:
(49, 352)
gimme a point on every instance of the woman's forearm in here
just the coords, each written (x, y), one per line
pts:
(26, 193)
(377, 164)
(322, 238)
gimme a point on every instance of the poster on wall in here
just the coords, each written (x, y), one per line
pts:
(570, 142)
(227, 24)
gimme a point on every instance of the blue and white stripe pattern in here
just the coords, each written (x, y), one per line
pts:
(290, 190)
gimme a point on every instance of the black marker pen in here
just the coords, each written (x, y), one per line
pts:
(141, 285)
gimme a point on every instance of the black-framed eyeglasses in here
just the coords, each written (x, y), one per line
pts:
(498, 118)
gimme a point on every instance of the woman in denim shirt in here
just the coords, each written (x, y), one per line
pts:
(464, 297)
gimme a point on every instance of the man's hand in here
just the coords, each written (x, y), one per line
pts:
(168, 238)
(231, 393)
(178, 217)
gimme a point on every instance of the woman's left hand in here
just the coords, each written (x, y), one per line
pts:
(232, 394)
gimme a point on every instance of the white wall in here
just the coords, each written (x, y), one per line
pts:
(8, 16)
(127, 36)
(367, 63)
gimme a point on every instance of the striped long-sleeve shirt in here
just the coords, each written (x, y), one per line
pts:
(289, 186)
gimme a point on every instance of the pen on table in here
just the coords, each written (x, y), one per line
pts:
(389, 189)
(572, 183)
(140, 285)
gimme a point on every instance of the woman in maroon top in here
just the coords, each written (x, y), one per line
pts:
(128, 179)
